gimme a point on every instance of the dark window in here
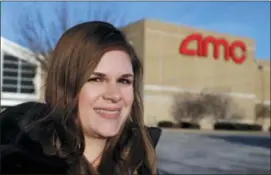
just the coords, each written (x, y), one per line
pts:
(15, 69)
(9, 89)
(10, 62)
(10, 73)
(10, 58)
(29, 74)
(27, 90)
(10, 66)
(28, 67)
(7, 82)
(27, 83)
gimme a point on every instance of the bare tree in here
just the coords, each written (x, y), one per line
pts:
(194, 107)
(188, 107)
(262, 111)
(40, 35)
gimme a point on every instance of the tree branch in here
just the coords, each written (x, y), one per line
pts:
(40, 36)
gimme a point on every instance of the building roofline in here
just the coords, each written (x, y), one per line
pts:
(197, 28)
(17, 50)
(8, 43)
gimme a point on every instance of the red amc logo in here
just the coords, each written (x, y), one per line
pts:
(202, 47)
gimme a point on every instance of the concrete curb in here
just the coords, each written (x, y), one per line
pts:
(219, 132)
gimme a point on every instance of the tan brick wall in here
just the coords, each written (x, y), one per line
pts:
(162, 43)
(164, 66)
(172, 69)
(157, 106)
(262, 77)
(135, 35)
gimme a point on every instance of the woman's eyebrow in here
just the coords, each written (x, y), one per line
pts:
(127, 75)
(98, 74)
(104, 75)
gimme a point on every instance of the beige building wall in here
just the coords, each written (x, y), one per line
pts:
(168, 72)
(263, 82)
(135, 34)
(157, 107)
(263, 89)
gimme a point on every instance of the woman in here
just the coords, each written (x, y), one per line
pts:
(92, 118)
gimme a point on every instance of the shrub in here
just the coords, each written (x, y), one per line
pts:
(194, 107)
(189, 125)
(237, 126)
(166, 124)
(262, 111)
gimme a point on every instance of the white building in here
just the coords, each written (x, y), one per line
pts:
(19, 75)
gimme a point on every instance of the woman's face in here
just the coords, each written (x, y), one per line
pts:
(105, 101)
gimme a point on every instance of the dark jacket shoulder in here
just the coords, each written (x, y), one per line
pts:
(155, 134)
(21, 153)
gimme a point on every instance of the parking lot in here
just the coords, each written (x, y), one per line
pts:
(197, 153)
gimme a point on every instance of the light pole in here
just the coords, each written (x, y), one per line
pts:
(260, 67)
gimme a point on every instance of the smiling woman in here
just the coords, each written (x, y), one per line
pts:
(109, 92)
(92, 121)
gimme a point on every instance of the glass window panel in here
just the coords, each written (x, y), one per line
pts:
(28, 90)
(27, 83)
(10, 66)
(11, 58)
(28, 67)
(10, 82)
(10, 73)
(12, 76)
(28, 74)
(9, 89)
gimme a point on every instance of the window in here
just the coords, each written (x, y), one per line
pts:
(18, 75)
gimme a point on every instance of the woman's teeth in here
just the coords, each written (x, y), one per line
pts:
(109, 113)
(104, 111)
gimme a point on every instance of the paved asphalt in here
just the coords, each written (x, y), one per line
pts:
(195, 153)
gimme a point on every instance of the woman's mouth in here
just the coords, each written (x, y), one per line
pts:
(108, 113)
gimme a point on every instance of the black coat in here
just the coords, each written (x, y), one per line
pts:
(21, 154)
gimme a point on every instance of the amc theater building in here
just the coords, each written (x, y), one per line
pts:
(183, 59)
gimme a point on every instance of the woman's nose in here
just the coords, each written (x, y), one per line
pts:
(112, 93)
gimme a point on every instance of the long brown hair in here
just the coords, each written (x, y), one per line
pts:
(76, 55)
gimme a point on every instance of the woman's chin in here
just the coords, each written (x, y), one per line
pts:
(108, 133)
(107, 129)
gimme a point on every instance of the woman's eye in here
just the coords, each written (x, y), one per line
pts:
(96, 79)
(125, 81)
